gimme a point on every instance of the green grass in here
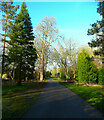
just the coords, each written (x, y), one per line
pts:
(14, 88)
(92, 94)
(54, 78)
(18, 99)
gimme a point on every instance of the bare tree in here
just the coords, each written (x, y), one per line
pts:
(65, 56)
(46, 33)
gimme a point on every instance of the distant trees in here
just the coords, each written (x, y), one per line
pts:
(22, 55)
(65, 57)
(98, 30)
(86, 70)
(45, 33)
(54, 71)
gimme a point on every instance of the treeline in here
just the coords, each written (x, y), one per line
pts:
(27, 54)
(85, 71)
(81, 65)
(21, 59)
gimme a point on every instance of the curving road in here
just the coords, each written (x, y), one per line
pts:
(57, 101)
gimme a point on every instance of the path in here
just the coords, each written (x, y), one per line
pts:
(57, 101)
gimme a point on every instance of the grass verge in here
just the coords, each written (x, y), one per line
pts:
(92, 94)
(16, 100)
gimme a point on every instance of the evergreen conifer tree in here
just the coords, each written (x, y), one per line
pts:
(98, 30)
(22, 52)
(87, 71)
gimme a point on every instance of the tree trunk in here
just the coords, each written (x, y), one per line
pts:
(13, 73)
(74, 74)
(19, 81)
(66, 73)
(66, 70)
(24, 79)
(3, 57)
(19, 76)
(42, 68)
(2, 66)
(45, 74)
(41, 74)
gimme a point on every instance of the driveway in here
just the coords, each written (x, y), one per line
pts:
(57, 101)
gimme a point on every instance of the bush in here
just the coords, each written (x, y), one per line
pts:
(92, 73)
(87, 71)
(48, 74)
(76, 75)
(70, 74)
(58, 75)
(101, 76)
(62, 76)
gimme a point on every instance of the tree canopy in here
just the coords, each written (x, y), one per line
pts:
(98, 30)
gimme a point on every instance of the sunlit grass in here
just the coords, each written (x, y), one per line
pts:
(92, 94)
(18, 99)
(54, 78)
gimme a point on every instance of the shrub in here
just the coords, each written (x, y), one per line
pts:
(70, 74)
(76, 75)
(92, 73)
(48, 74)
(87, 71)
(58, 74)
(101, 76)
(62, 76)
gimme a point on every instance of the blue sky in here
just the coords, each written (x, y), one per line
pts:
(73, 18)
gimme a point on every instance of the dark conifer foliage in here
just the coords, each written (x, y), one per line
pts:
(22, 52)
(98, 30)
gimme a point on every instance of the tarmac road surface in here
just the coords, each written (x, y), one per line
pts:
(57, 101)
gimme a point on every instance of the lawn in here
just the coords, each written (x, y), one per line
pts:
(16, 100)
(93, 94)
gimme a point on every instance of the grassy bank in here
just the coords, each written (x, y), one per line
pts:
(18, 99)
(93, 94)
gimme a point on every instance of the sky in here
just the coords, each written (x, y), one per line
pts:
(73, 18)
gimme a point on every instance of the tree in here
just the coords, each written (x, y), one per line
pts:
(96, 59)
(46, 33)
(8, 14)
(98, 30)
(22, 53)
(54, 72)
(87, 71)
(65, 56)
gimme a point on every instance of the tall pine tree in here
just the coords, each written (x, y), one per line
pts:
(8, 14)
(98, 30)
(22, 52)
